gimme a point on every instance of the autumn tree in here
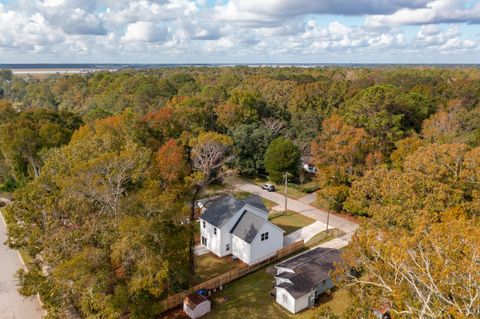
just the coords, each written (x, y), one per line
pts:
(104, 219)
(340, 153)
(210, 152)
(429, 271)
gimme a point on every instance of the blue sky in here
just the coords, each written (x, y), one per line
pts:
(240, 31)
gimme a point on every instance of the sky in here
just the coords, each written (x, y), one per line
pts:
(239, 31)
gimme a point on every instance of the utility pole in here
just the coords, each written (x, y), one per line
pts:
(328, 220)
(285, 177)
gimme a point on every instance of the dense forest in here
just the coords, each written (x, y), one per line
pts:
(105, 169)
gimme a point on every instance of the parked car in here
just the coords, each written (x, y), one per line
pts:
(309, 168)
(269, 187)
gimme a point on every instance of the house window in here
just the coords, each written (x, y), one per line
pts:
(285, 299)
(227, 247)
(264, 236)
(214, 230)
(204, 224)
(204, 241)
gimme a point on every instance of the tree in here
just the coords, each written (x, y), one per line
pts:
(25, 136)
(104, 219)
(210, 152)
(250, 143)
(404, 148)
(430, 271)
(376, 110)
(282, 156)
(340, 151)
(6, 75)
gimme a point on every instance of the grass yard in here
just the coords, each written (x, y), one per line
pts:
(210, 266)
(290, 221)
(248, 297)
(338, 301)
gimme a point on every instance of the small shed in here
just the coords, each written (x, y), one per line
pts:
(196, 305)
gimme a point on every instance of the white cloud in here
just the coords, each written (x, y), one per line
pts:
(437, 11)
(183, 30)
(26, 32)
(144, 31)
(448, 40)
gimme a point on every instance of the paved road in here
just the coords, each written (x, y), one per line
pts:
(12, 304)
(335, 221)
(309, 198)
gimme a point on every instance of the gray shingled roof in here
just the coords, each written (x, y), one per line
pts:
(314, 266)
(221, 209)
(256, 201)
(300, 286)
(247, 226)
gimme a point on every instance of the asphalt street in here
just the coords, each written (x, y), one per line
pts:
(12, 304)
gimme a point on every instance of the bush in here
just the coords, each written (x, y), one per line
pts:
(9, 185)
(310, 188)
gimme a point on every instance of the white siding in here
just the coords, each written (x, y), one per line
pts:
(293, 305)
(241, 249)
(301, 303)
(285, 300)
(248, 253)
(263, 249)
(199, 311)
(213, 241)
(226, 237)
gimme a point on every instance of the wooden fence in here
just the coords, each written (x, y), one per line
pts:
(176, 300)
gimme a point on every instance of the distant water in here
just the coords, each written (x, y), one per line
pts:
(114, 66)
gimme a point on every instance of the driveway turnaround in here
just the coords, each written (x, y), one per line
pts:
(300, 207)
(12, 304)
(306, 233)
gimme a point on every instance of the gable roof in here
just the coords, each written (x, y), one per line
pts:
(219, 210)
(314, 266)
(300, 286)
(256, 201)
(247, 226)
(193, 300)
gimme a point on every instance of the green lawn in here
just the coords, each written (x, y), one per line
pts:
(249, 297)
(210, 266)
(290, 221)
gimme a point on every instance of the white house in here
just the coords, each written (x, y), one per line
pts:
(301, 279)
(240, 228)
